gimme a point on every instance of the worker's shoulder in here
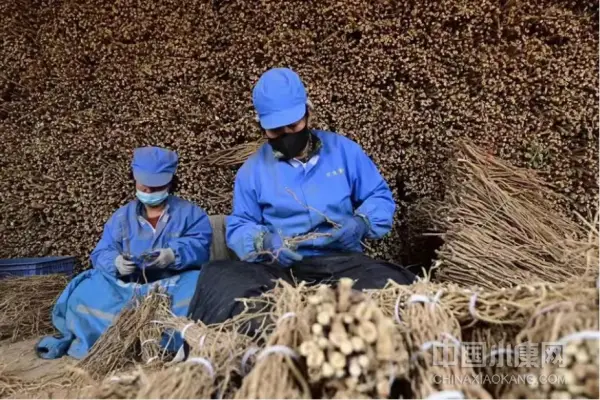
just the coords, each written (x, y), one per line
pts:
(179, 203)
(125, 210)
(336, 140)
(262, 155)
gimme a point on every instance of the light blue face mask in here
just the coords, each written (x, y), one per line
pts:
(152, 199)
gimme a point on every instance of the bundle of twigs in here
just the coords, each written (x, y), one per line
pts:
(232, 156)
(501, 228)
(354, 350)
(571, 329)
(26, 305)
(438, 362)
(131, 338)
(276, 372)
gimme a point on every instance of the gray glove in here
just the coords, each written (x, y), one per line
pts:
(124, 266)
(165, 258)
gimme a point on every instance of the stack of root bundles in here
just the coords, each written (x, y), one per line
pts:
(354, 351)
(501, 228)
(26, 305)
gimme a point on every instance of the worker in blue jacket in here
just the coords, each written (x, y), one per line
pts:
(157, 234)
(302, 205)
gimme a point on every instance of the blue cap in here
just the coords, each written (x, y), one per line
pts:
(279, 98)
(154, 166)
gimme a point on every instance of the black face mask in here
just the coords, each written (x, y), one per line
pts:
(291, 144)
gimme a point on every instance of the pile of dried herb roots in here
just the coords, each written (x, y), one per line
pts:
(26, 305)
(509, 311)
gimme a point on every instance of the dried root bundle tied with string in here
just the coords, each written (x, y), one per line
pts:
(502, 307)
(26, 305)
(276, 371)
(354, 350)
(565, 337)
(133, 337)
(438, 362)
(500, 228)
(213, 364)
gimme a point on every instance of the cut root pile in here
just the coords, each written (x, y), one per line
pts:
(510, 310)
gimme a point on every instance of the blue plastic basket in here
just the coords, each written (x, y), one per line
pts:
(37, 266)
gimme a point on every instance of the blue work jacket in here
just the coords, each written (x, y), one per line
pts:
(183, 226)
(293, 198)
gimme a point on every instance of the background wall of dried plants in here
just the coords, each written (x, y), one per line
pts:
(84, 82)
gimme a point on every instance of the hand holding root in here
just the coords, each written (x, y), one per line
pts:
(284, 252)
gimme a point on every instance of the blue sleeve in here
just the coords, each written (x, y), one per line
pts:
(192, 248)
(108, 248)
(243, 226)
(371, 195)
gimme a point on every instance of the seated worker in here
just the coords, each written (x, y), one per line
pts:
(157, 234)
(302, 205)
(157, 239)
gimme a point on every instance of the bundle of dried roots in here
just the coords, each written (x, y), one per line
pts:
(564, 337)
(276, 372)
(438, 361)
(26, 305)
(232, 156)
(354, 350)
(133, 337)
(216, 353)
(501, 229)
(505, 306)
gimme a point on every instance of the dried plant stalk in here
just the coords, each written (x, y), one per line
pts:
(501, 229)
(23, 315)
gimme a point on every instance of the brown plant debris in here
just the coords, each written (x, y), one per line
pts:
(26, 305)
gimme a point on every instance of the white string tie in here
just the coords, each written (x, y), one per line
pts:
(286, 316)
(277, 349)
(201, 341)
(397, 313)
(249, 353)
(419, 298)
(472, 302)
(205, 363)
(446, 395)
(185, 328)
(583, 335)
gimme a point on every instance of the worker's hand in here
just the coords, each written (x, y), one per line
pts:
(164, 259)
(124, 265)
(349, 235)
(273, 243)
